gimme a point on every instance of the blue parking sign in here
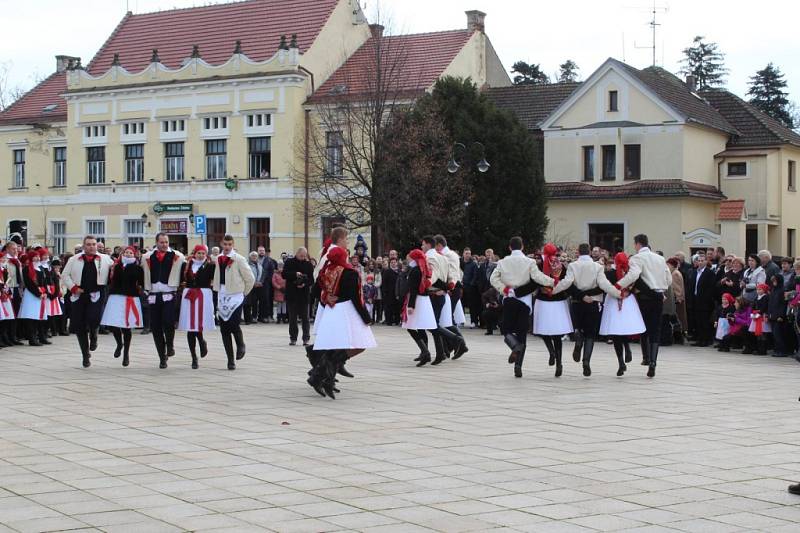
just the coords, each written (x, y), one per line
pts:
(200, 224)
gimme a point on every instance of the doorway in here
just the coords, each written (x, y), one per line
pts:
(258, 230)
(751, 239)
(20, 227)
(610, 237)
(179, 242)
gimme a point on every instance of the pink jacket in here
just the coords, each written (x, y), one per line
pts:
(279, 286)
(741, 321)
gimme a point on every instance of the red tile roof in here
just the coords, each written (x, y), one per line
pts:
(259, 24)
(731, 210)
(33, 106)
(416, 61)
(650, 188)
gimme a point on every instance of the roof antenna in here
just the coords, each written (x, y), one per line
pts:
(653, 25)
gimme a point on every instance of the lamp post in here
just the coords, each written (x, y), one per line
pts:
(453, 165)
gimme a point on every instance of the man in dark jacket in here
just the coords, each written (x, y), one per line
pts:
(266, 303)
(472, 296)
(299, 275)
(389, 292)
(702, 289)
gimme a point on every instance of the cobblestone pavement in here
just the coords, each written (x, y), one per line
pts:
(709, 445)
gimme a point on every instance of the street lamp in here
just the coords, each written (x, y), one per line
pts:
(453, 165)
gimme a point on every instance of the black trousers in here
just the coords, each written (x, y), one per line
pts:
(704, 332)
(85, 314)
(260, 303)
(162, 320)
(269, 306)
(651, 309)
(298, 308)
(586, 318)
(516, 319)
(438, 305)
(16, 302)
(472, 301)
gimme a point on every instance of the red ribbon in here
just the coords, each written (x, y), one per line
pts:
(759, 320)
(42, 308)
(196, 301)
(130, 307)
(55, 307)
(4, 298)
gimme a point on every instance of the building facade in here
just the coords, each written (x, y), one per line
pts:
(167, 122)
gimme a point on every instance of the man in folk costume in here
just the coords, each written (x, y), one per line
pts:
(440, 277)
(344, 330)
(516, 276)
(162, 276)
(7, 315)
(454, 289)
(589, 281)
(197, 304)
(85, 276)
(233, 280)
(123, 310)
(14, 285)
(652, 269)
(53, 285)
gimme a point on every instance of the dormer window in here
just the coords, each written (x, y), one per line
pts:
(613, 101)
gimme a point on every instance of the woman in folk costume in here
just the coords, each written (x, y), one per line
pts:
(53, 284)
(551, 314)
(621, 318)
(343, 330)
(417, 314)
(759, 326)
(197, 301)
(7, 316)
(123, 309)
(34, 300)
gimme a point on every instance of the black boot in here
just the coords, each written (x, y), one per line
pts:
(240, 347)
(518, 362)
(203, 346)
(169, 338)
(161, 349)
(43, 330)
(516, 347)
(227, 342)
(313, 356)
(450, 338)
(92, 339)
(4, 340)
(438, 342)
(460, 347)
(588, 348)
(576, 351)
(317, 373)
(557, 346)
(422, 342)
(618, 349)
(127, 335)
(653, 358)
(118, 338)
(628, 352)
(548, 343)
(15, 332)
(191, 338)
(32, 331)
(83, 342)
(645, 342)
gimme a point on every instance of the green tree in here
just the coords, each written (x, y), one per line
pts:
(705, 62)
(507, 200)
(528, 74)
(767, 93)
(568, 72)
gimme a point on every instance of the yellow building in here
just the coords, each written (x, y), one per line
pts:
(640, 151)
(195, 112)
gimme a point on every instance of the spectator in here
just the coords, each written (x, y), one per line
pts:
(731, 280)
(472, 295)
(776, 312)
(678, 292)
(299, 276)
(702, 298)
(492, 310)
(769, 266)
(251, 300)
(389, 291)
(266, 311)
(278, 291)
(752, 278)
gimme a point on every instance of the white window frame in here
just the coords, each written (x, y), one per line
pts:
(175, 165)
(59, 240)
(334, 166)
(128, 235)
(213, 162)
(88, 221)
(134, 167)
(173, 129)
(744, 176)
(133, 132)
(259, 123)
(96, 170)
(19, 168)
(59, 168)
(95, 134)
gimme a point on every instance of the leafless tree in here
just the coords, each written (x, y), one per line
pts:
(11, 93)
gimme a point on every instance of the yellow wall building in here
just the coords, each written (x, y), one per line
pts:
(167, 122)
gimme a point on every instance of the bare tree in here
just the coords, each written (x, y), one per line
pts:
(11, 93)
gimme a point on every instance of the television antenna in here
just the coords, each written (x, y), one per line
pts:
(654, 11)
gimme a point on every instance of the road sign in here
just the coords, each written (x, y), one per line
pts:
(200, 224)
(172, 208)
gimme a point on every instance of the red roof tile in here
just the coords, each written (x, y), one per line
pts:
(417, 60)
(33, 106)
(731, 210)
(259, 24)
(650, 188)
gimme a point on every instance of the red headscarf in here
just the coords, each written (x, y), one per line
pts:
(418, 256)
(331, 274)
(200, 248)
(621, 264)
(43, 252)
(549, 254)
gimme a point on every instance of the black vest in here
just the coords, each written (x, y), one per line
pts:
(159, 270)
(89, 277)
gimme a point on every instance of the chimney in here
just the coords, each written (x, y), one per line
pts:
(62, 62)
(475, 20)
(691, 83)
(376, 30)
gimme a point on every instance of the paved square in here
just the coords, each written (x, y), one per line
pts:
(709, 445)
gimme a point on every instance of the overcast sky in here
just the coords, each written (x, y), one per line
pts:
(546, 32)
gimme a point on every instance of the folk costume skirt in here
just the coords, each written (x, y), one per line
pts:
(552, 318)
(123, 312)
(197, 310)
(342, 328)
(33, 307)
(423, 316)
(625, 321)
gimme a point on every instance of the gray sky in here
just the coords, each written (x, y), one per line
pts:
(587, 31)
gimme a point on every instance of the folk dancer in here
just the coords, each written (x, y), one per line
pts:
(85, 275)
(123, 310)
(621, 317)
(652, 269)
(7, 315)
(515, 277)
(454, 292)
(440, 279)
(344, 330)
(15, 284)
(589, 281)
(233, 280)
(52, 278)
(162, 277)
(417, 314)
(197, 301)
(34, 300)
(551, 313)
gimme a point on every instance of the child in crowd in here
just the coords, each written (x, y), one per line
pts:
(725, 312)
(759, 324)
(737, 335)
(370, 293)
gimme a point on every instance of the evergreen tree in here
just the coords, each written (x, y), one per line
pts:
(568, 72)
(528, 74)
(767, 93)
(705, 62)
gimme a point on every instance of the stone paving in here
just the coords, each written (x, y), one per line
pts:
(709, 445)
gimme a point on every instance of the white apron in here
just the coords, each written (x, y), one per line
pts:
(342, 328)
(627, 321)
(423, 316)
(552, 318)
(123, 312)
(197, 310)
(228, 303)
(6, 308)
(446, 316)
(458, 315)
(33, 307)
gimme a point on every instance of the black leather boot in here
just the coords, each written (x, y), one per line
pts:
(32, 332)
(240, 347)
(576, 351)
(422, 342)
(518, 362)
(548, 343)
(126, 346)
(461, 345)
(191, 338)
(588, 348)
(516, 347)
(227, 342)
(83, 342)
(619, 350)
(203, 346)
(653, 358)
(645, 342)
(118, 338)
(92, 339)
(438, 342)
(43, 327)
(317, 373)
(169, 338)
(628, 353)
(557, 347)
(161, 349)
